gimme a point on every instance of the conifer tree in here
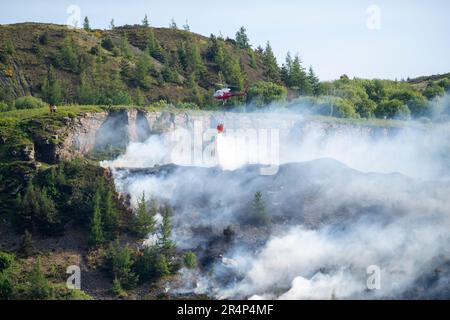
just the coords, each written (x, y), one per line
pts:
(47, 218)
(40, 288)
(297, 75)
(96, 236)
(143, 67)
(145, 22)
(242, 40)
(165, 243)
(86, 25)
(162, 266)
(110, 215)
(144, 223)
(124, 47)
(272, 71)
(51, 88)
(314, 81)
(259, 209)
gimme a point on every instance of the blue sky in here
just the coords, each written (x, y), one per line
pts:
(333, 36)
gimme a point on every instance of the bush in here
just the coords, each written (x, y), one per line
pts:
(263, 93)
(107, 44)
(4, 107)
(6, 261)
(119, 262)
(6, 287)
(393, 109)
(190, 260)
(433, 90)
(343, 108)
(29, 102)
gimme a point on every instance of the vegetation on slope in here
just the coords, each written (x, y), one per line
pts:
(140, 64)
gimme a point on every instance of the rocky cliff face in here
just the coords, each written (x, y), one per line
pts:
(92, 131)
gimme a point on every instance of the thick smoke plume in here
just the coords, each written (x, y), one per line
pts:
(343, 198)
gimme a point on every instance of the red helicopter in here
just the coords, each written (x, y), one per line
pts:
(226, 93)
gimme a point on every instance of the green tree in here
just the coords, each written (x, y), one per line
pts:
(107, 44)
(433, 90)
(416, 102)
(51, 88)
(145, 22)
(165, 242)
(272, 71)
(47, 218)
(143, 67)
(297, 76)
(259, 212)
(119, 263)
(154, 47)
(392, 109)
(144, 223)
(124, 47)
(191, 60)
(7, 283)
(112, 26)
(68, 56)
(96, 236)
(40, 288)
(242, 40)
(375, 90)
(365, 108)
(6, 286)
(110, 214)
(86, 25)
(117, 288)
(313, 81)
(28, 206)
(286, 69)
(253, 61)
(263, 93)
(190, 260)
(10, 48)
(87, 91)
(162, 266)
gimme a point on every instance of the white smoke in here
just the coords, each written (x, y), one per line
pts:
(400, 223)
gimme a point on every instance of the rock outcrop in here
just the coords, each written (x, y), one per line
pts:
(90, 131)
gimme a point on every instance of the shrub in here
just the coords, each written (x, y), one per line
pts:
(40, 288)
(6, 261)
(393, 109)
(263, 93)
(190, 260)
(29, 102)
(6, 287)
(4, 106)
(107, 44)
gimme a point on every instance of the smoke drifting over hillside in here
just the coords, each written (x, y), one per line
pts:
(343, 198)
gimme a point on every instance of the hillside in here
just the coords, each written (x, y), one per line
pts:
(111, 58)
(137, 65)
